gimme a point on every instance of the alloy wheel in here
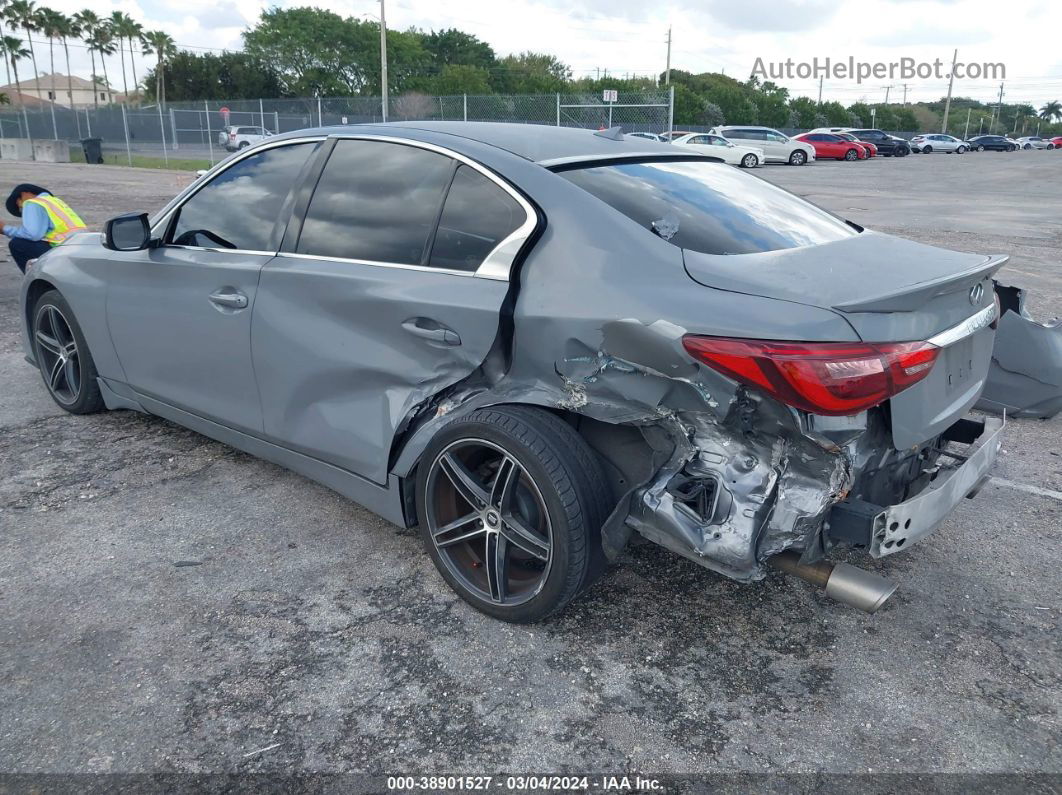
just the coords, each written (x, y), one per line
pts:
(749, 161)
(488, 522)
(798, 158)
(58, 355)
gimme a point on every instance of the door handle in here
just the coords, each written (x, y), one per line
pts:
(229, 300)
(428, 329)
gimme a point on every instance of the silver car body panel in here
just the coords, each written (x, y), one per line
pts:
(589, 322)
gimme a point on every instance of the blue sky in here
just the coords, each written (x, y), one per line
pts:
(625, 36)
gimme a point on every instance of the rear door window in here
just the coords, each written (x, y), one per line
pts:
(477, 216)
(376, 201)
(709, 207)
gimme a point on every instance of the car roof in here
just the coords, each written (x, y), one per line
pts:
(540, 143)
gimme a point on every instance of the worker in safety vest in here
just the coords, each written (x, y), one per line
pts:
(46, 222)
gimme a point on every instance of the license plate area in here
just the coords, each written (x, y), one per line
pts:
(958, 364)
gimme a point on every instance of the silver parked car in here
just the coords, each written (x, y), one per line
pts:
(533, 342)
(241, 136)
(777, 147)
(938, 142)
(1035, 142)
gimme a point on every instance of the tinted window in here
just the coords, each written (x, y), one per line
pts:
(477, 216)
(710, 207)
(776, 137)
(715, 140)
(752, 135)
(239, 207)
(376, 201)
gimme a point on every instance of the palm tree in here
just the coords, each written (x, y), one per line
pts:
(133, 31)
(125, 27)
(23, 13)
(13, 53)
(102, 41)
(1051, 110)
(87, 23)
(161, 44)
(49, 23)
(3, 51)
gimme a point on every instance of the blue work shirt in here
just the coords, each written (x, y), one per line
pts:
(35, 223)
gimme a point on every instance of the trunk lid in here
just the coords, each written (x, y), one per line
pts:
(889, 290)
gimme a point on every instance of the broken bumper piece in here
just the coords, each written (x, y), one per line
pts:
(886, 530)
(1025, 379)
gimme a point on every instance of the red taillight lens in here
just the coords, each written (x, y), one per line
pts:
(232, 136)
(832, 378)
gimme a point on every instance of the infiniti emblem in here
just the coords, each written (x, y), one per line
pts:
(977, 293)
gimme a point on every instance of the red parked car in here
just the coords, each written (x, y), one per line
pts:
(830, 145)
(867, 145)
(1057, 141)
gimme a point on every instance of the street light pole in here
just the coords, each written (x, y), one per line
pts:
(947, 102)
(667, 71)
(383, 61)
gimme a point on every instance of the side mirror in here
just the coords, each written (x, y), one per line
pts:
(130, 232)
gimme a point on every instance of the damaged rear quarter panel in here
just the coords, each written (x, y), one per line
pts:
(600, 335)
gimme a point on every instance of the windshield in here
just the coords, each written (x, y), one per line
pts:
(709, 207)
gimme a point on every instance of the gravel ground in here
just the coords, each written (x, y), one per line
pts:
(314, 630)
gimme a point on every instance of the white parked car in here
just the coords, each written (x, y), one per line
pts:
(777, 148)
(1035, 142)
(718, 146)
(647, 136)
(239, 136)
(938, 142)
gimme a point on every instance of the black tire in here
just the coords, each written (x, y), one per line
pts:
(798, 158)
(750, 161)
(558, 476)
(980, 147)
(243, 145)
(851, 154)
(960, 150)
(63, 356)
(902, 152)
(1027, 147)
(927, 150)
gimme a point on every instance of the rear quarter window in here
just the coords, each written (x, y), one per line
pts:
(709, 207)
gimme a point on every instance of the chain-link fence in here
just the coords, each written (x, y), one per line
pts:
(192, 134)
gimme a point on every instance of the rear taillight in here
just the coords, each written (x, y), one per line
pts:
(232, 136)
(831, 378)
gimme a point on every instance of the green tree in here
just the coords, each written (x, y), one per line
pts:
(1051, 110)
(835, 113)
(24, 14)
(712, 115)
(906, 120)
(531, 73)
(461, 79)
(802, 113)
(199, 76)
(160, 44)
(861, 114)
(452, 47)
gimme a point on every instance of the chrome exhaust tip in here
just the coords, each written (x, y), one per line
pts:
(858, 588)
(850, 585)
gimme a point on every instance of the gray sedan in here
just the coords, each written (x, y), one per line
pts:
(532, 343)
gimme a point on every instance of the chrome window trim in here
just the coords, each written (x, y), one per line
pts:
(974, 323)
(498, 263)
(220, 168)
(377, 264)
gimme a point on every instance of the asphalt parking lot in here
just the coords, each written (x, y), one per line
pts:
(169, 604)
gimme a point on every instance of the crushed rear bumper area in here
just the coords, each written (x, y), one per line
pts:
(960, 472)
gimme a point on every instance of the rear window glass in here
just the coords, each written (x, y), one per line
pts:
(710, 207)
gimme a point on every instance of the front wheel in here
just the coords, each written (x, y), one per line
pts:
(750, 161)
(511, 501)
(798, 158)
(851, 154)
(63, 356)
(960, 150)
(980, 147)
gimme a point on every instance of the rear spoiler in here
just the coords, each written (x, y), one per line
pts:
(924, 292)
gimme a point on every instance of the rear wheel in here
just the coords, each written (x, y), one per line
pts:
(63, 356)
(798, 158)
(927, 149)
(1027, 146)
(750, 161)
(243, 145)
(511, 502)
(851, 154)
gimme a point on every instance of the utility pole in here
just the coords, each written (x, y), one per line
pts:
(966, 132)
(667, 71)
(887, 94)
(999, 108)
(383, 60)
(947, 102)
(905, 93)
(820, 89)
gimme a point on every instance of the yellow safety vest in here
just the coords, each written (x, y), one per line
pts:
(64, 220)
